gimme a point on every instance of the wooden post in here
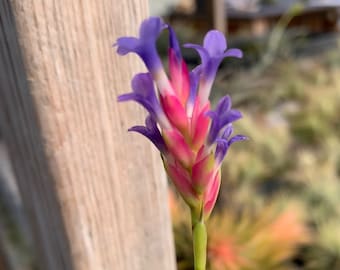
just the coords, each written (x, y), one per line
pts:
(96, 196)
(219, 15)
(215, 12)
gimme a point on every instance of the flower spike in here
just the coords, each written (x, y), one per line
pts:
(192, 138)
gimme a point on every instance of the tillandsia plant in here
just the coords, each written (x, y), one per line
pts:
(192, 139)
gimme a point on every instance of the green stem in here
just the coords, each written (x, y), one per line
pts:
(199, 235)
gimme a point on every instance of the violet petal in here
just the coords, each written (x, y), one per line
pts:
(126, 45)
(201, 51)
(223, 144)
(173, 41)
(212, 53)
(233, 53)
(221, 117)
(215, 43)
(151, 131)
(194, 80)
(145, 45)
(144, 94)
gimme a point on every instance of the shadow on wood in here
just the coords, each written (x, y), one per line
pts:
(97, 196)
(22, 133)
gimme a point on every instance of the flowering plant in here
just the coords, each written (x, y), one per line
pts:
(192, 139)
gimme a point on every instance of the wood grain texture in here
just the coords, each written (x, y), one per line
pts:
(96, 195)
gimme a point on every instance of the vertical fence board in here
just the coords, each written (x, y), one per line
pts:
(96, 196)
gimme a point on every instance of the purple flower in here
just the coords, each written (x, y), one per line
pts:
(145, 45)
(221, 117)
(144, 93)
(223, 143)
(213, 51)
(151, 131)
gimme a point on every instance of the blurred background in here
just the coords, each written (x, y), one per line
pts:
(279, 205)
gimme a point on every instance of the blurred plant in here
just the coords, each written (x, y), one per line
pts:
(267, 239)
(244, 239)
(277, 35)
(297, 158)
(325, 253)
(292, 114)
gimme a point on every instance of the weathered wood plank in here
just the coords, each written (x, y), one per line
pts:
(96, 196)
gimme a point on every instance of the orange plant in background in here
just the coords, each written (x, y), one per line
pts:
(242, 239)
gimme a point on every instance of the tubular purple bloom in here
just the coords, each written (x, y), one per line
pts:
(223, 143)
(126, 45)
(222, 116)
(213, 51)
(145, 45)
(151, 131)
(216, 46)
(144, 94)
